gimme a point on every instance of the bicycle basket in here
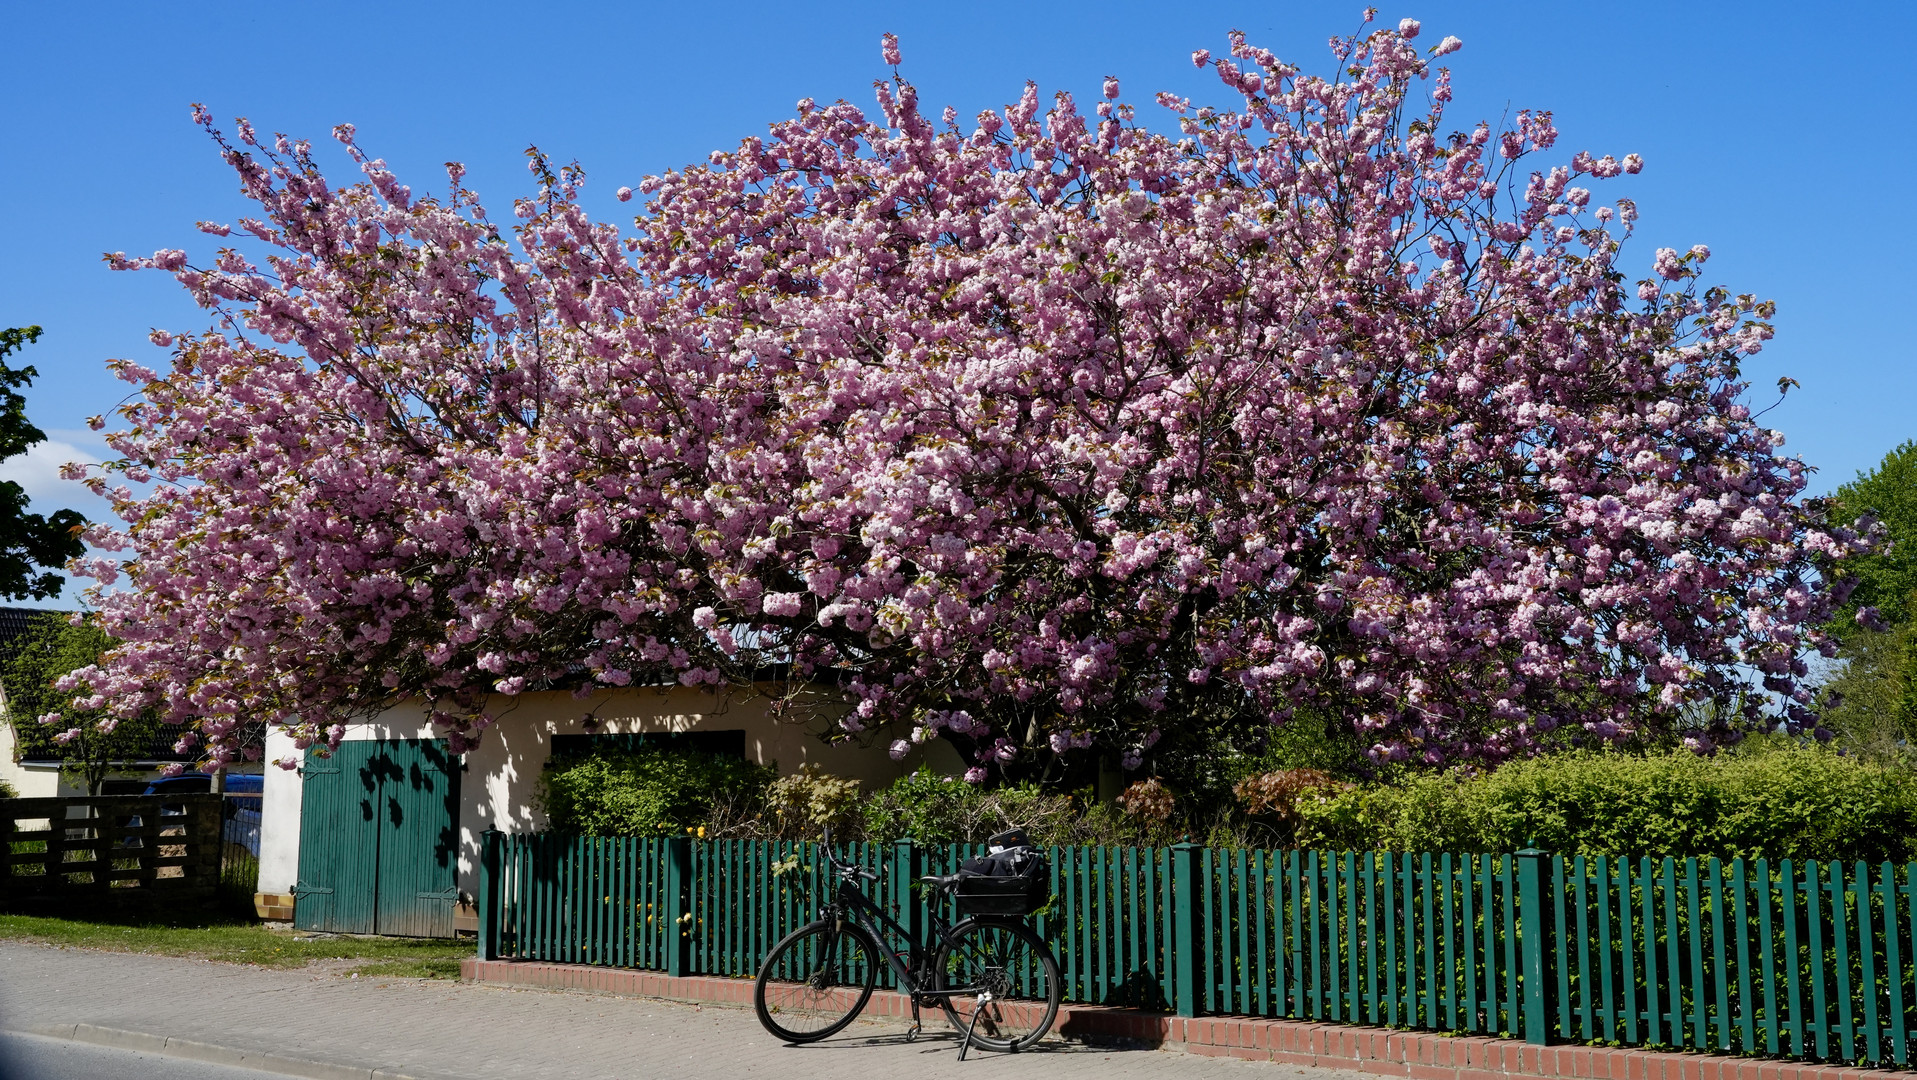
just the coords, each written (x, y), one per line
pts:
(1014, 882)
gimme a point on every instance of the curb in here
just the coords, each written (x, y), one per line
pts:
(191, 1050)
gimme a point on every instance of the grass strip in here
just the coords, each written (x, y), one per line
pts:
(240, 942)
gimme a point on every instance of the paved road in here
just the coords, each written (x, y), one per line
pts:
(32, 1057)
(439, 1030)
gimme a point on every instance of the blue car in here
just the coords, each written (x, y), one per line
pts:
(244, 792)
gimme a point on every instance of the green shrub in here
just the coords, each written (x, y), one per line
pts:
(643, 792)
(1797, 803)
(7, 792)
(802, 805)
(935, 809)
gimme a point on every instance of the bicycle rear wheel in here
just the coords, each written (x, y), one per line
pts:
(1003, 981)
(815, 981)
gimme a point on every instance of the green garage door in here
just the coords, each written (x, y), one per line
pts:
(379, 840)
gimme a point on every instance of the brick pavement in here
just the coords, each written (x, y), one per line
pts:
(438, 1030)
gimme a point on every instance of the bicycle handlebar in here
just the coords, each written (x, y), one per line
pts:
(844, 869)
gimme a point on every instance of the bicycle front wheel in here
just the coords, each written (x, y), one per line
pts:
(815, 981)
(999, 980)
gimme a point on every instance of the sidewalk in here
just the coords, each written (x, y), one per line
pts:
(432, 1030)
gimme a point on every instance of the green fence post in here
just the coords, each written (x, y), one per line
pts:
(678, 905)
(905, 871)
(488, 896)
(1534, 942)
(1187, 934)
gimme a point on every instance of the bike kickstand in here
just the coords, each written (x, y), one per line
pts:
(918, 1025)
(971, 1027)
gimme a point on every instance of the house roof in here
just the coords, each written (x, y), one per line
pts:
(15, 622)
(155, 749)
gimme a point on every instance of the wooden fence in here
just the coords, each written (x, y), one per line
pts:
(113, 848)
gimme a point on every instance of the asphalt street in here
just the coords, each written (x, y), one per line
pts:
(36, 1057)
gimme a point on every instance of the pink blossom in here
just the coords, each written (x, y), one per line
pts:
(784, 604)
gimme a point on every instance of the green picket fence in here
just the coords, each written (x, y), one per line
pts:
(1804, 960)
(1808, 960)
(582, 899)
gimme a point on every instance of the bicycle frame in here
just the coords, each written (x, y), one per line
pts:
(849, 900)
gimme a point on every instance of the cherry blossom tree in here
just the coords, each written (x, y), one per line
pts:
(1052, 431)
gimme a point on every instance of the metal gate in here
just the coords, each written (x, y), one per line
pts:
(379, 839)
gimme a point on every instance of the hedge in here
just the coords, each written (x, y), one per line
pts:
(1798, 803)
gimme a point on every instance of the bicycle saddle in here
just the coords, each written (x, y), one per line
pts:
(944, 882)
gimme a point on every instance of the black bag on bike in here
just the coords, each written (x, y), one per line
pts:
(1015, 879)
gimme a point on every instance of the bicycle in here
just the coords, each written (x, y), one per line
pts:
(994, 978)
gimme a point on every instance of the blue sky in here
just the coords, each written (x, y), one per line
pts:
(1781, 135)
